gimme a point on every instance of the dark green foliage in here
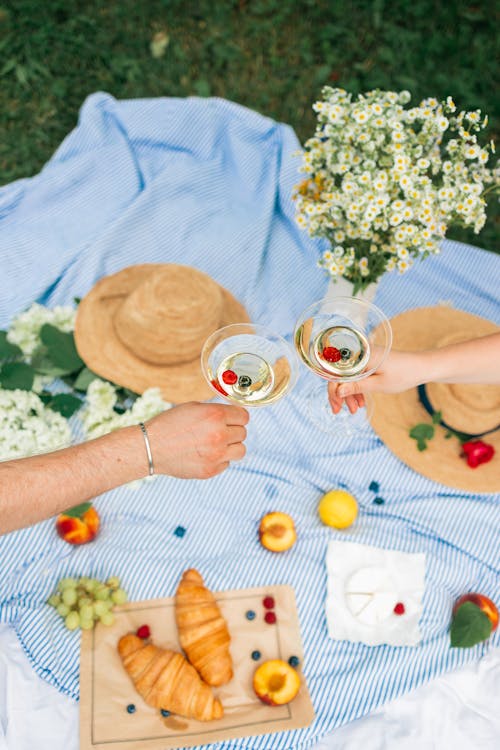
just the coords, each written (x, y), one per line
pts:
(271, 55)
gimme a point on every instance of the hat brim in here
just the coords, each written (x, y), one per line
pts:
(395, 414)
(104, 353)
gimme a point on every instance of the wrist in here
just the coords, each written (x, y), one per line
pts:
(435, 366)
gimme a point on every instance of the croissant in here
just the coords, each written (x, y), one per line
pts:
(166, 680)
(203, 632)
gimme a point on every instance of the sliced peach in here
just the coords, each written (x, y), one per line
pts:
(277, 532)
(275, 682)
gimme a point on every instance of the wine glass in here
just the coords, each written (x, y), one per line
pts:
(248, 364)
(342, 340)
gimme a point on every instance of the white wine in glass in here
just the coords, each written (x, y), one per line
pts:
(248, 364)
(341, 340)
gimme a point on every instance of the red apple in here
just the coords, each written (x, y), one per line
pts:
(78, 525)
(484, 604)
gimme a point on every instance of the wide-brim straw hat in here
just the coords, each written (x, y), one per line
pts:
(471, 409)
(145, 326)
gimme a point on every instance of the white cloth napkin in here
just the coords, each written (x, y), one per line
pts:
(364, 586)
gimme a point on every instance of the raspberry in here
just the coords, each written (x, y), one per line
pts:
(331, 354)
(399, 609)
(229, 377)
(270, 618)
(143, 632)
(268, 602)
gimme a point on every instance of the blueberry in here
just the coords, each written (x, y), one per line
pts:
(250, 614)
(345, 353)
(131, 708)
(256, 655)
(374, 486)
(244, 381)
(379, 501)
(294, 661)
(164, 712)
(180, 531)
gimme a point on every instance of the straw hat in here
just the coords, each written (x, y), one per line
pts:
(472, 409)
(145, 326)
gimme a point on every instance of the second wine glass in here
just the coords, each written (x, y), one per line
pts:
(342, 340)
(248, 364)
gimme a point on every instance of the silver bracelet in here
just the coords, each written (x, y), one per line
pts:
(148, 448)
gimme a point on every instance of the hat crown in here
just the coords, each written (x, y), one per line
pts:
(167, 317)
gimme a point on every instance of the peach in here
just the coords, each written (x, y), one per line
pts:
(277, 532)
(275, 682)
(78, 525)
(484, 604)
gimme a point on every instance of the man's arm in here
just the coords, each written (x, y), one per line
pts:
(192, 440)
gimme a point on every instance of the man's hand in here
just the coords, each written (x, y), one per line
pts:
(197, 440)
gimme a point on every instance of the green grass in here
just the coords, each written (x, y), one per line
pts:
(271, 55)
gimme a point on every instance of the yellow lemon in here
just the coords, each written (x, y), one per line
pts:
(338, 508)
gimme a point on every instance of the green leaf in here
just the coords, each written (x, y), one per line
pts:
(8, 350)
(65, 404)
(469, 626)
(45, 366)
(77, 300)
(84, 379)
(437, 417)
(61, 348)
(17, 375)
(422, 433)
(77, 511)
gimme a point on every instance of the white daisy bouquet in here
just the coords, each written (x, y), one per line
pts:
(384, 180)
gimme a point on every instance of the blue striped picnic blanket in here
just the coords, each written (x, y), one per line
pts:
(208, 183)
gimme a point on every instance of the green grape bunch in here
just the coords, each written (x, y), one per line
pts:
(82, 602)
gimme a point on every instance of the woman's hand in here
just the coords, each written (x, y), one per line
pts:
(399, 372)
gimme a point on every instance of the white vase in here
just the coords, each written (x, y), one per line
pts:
(341, 287)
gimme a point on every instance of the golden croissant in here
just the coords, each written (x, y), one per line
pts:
(203, 632)
(166, 680)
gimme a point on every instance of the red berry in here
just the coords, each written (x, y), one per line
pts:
(331, 354)
(218, 387)
(143, 632)
(268, 602)
(229, 377)
(270, 618)
(399, 609)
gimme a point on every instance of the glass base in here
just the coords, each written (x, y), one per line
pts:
(341, 425)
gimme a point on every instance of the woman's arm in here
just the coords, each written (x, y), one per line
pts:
(475, 361)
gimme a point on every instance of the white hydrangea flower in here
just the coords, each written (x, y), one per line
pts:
(99, 417)
(25, 328)
(28, 427)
